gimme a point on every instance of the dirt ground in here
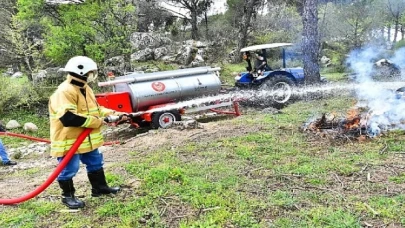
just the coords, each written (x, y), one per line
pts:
(32, 171)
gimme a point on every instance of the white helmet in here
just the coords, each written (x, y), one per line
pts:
(81, 65)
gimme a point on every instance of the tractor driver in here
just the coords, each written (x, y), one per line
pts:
(72, 108)
(260, 63)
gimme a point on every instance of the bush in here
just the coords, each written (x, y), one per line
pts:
(228, 71)
(17, 92)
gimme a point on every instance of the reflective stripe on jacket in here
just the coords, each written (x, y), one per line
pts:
(68, 97)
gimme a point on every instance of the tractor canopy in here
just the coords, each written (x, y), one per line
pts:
(265, 46)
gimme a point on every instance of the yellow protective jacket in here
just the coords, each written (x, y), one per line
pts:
(69, 102)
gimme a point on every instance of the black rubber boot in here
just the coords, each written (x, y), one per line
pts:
(68, 195)
(99, 184)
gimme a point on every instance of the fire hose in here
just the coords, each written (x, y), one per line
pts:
(55, 173)
(58, 169)
(43, 140)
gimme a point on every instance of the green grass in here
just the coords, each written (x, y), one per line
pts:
(229, 71)
(275, 176)
(335, 77)
(22, 117)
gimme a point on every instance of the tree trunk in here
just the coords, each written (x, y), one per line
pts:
(206, 25)
(194, 28)
(244, 26)
(402, 32)
(396, 27)
(28, 62)
(389, 33)
(310, 41)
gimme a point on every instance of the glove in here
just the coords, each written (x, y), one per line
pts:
(123, 116)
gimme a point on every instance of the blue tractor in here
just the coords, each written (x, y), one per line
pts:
(278, 82)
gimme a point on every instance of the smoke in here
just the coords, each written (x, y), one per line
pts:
(386, 106)
(399, 60)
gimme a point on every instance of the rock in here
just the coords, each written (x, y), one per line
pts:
(116, 65)
(9, 72)
(33, 148)
(325, 61)
(17, 75)
(385, 69)
(143, 40)
(51, 75)
(185, 55)
(200, 44)
(188, 124)
(36, 77)
(30, 127)
(383, 62)
(55, 72)
(115, 61)
(142, 55)
(189, 43)
(168, 58)
(12, 124)
(159, 52)
(198, 61)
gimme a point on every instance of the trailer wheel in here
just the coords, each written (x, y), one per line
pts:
(164, 119)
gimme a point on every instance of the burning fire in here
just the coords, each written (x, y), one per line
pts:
(351, 126)
(352, 119)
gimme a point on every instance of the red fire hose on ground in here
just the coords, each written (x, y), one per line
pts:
(44, 140)
(55, 173)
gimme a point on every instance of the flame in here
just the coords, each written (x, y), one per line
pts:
(352, 113)
(353, 119)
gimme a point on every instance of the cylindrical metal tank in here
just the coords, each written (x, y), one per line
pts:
(169, 86)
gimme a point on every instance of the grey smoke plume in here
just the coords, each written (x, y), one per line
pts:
(399, 60)
(386, 107)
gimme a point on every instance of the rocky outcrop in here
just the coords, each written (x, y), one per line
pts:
(143, 40)
(53, 75)
(143, 55)
(153, 46)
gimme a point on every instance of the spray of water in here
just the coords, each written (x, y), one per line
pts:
(256, 96)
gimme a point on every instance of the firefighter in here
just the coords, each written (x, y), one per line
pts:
(72, 108)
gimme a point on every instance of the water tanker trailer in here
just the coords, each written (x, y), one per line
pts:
(151, 98)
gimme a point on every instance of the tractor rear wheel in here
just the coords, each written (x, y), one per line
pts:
(165, 119)
(280, 89)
